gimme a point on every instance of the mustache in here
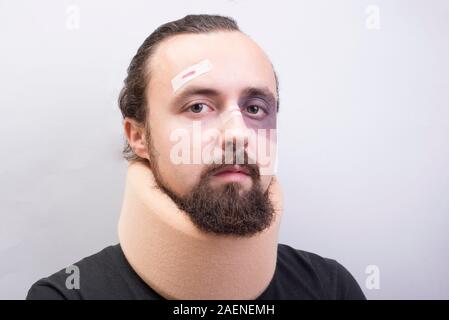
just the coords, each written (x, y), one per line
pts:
(251, 169)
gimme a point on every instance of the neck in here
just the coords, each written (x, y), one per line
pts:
(178, 260)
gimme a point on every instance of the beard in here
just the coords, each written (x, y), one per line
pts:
(227, 209)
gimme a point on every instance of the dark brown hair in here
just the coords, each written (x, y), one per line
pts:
(132, 100)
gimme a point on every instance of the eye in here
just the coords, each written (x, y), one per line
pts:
(255, 110)
(197, 107)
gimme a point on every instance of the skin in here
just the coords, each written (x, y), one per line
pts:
(238, 62)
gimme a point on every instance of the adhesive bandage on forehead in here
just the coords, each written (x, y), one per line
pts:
(190, 73)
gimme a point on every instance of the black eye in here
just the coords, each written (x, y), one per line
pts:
(253, 109)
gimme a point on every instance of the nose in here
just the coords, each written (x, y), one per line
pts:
(234, 132)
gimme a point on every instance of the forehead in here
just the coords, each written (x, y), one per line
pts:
(237, 62)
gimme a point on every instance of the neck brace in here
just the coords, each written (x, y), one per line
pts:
(178, 260)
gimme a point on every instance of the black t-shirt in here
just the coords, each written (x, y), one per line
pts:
(108, 275)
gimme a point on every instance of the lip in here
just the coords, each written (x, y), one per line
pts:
(232, 174)
(236, 169)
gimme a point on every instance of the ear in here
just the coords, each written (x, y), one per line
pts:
(135, 133)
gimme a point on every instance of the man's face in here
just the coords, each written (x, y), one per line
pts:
(241, 78)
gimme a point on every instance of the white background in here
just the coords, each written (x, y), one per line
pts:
(364, 126)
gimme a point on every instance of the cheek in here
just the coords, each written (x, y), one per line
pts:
(265, 182)
(180, 177)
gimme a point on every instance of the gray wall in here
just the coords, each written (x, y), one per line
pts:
(364, 128)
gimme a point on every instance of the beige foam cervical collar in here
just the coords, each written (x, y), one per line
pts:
(178, 260)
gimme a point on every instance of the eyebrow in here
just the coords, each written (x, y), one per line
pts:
(248, 92)
(262, 92)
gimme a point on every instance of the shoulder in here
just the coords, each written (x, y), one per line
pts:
(74, 281)
(322, 274)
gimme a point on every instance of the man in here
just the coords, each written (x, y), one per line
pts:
(202, 205)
